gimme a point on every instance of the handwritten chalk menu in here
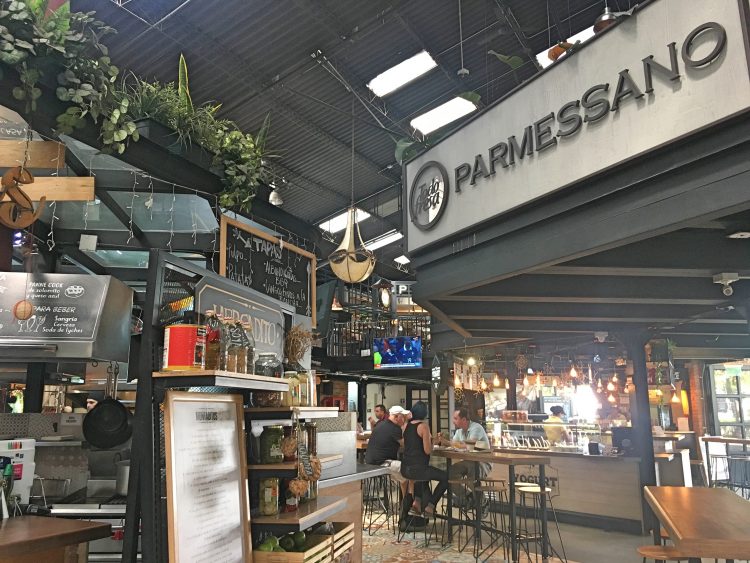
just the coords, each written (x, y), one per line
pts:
(50, 306)
(269, 265)
(207, 505)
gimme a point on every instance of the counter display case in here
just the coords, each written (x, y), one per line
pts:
(548, 436)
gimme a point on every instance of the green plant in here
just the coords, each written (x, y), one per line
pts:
(39, 42)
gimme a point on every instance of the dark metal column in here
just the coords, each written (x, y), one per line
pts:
(6, 249)
(634, 343)
(34, 393)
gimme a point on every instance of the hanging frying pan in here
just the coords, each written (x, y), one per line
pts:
(109, 423)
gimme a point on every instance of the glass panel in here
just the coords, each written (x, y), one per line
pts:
(746, 409)
(745, 381)
(731, 431)
(190, 213)
(725, 383)
(79, 215)
(728, 410)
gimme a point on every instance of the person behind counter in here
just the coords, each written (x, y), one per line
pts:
(553, 426)
(385, 442)
(380, 416)
(416, 465)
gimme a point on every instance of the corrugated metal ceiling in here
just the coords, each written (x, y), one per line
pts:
(256, 59)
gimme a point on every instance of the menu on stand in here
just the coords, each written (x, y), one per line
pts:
(268, 264)
(206, 478)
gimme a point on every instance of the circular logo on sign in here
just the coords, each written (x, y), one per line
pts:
(429, 195)
(74, 291)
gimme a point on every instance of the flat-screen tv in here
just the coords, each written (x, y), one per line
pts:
(397, 353)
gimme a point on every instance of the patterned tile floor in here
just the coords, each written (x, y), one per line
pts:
(382, 547)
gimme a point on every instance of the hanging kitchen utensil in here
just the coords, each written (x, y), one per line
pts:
(109, 423)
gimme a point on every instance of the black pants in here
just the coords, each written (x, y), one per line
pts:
(423, 473)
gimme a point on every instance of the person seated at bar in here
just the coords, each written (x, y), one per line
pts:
(553, 426)
(416, 466)
(385, 442)
(467, 430)
(380, 416)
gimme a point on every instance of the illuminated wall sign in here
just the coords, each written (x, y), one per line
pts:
(660, 75)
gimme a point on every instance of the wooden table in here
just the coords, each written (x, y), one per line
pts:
(721, 440)
(511, 460)
(703, 522)
(33, 539)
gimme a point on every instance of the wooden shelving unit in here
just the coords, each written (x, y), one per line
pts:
(306, 515)
(325, 460)
(261, 413)
(218, 378)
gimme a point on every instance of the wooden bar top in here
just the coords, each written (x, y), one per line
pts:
(723, 440)
(703, 522)
(28, 534)
(492, 457)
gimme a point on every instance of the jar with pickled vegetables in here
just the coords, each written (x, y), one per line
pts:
(269, 496)
(270, 444)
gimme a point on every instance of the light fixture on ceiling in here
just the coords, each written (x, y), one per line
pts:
(614, 378)
(338, 223)
(496, 381)
(483, 384)
(543, 57)
(352, 262)
(456, 381)
(610, 386)
(384, 291)
(611, 398)
(471, 361)
(274, 198)
(402, 74)
(675, 399)
(739, 235)
(384, 240)
(530, 371)
(507, 383)
(606, 19)
(442, 115)
(573, 372)
(403, 260)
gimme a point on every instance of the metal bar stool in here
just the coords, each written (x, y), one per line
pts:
(495, 505)
(409, 520)
(534, 535)
(380, 508)
(466, 510)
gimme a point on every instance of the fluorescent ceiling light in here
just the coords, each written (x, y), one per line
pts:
(581, 36)
(401, 260)
(442, 115)
(383, 240)
(401, 74)
(338, 223)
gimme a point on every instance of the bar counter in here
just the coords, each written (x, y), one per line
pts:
(590, 490)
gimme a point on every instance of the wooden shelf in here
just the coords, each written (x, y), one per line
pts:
(325, 460)
(305, 516)
(217, 378)
(261, 413)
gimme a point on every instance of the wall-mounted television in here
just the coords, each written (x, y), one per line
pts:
(400, 352)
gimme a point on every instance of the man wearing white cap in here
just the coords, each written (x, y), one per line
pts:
(385, 442)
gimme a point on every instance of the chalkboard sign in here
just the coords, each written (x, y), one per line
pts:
(50, 306)
(269, 265)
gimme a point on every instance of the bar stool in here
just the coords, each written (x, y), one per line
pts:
(409, 518)
(379, 506)
(534, 491)
(496, 499)
(466, 511)
(661, 553)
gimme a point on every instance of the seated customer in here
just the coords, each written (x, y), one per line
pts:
(385, 442)
(416, 464)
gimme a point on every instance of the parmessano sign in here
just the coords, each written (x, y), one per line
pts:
(660, 75)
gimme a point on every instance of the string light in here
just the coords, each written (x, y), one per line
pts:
(573, 372)
(611, 398)
(614, 378)
(610, 386)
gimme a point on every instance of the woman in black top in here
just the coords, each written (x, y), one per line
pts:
(415, 464)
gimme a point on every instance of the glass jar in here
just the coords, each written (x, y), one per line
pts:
(304, 389)
(269, 496)
(225, 343)
(292, 398)
(270, 444)
(289, 443)
(213, 329)
(248, 365)
(311, 429)
(268, 364)
(291, 502)
(236, 347)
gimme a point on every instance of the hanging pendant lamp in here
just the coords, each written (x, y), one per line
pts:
(352, 262)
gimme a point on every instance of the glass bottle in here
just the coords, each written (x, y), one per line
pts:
(248, 366)
(235, 347)
(213, 328)
(270, 444)
(291, 397)
(304, 388)
(226, 343)
(269, 496)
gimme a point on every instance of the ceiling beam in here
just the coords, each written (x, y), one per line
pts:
(621, 271)
(583, 300)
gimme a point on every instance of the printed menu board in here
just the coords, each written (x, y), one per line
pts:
(207, 504)
(269, 265)
(50, 306)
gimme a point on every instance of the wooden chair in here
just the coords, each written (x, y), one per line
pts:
(662, 553)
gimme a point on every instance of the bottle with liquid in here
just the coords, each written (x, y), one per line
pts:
(225, 341)
(213, 333)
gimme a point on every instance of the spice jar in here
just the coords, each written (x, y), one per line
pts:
(270, 444)
(269, 496)
(292, 397)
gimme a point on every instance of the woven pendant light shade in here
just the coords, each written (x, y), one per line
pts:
(351, 261)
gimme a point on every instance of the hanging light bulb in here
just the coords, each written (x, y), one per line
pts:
(659, 392)
(483, 385)
(573, 372)
(675, 399)
(627, 388)
(530, 371)
(590, 374)
(525, 380)
(611, 398)
(599, 385)
(471, 382)
(471, 361)
(456, 381)
(496, 381)
(554, 382)
(610, 386)
(614, 378)
(274, 198)
(507, 383)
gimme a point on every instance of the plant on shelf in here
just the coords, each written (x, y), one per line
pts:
(43, 44)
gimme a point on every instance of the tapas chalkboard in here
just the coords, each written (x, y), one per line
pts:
(269, 265)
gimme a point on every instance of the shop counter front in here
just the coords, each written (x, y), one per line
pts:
(588, 490)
